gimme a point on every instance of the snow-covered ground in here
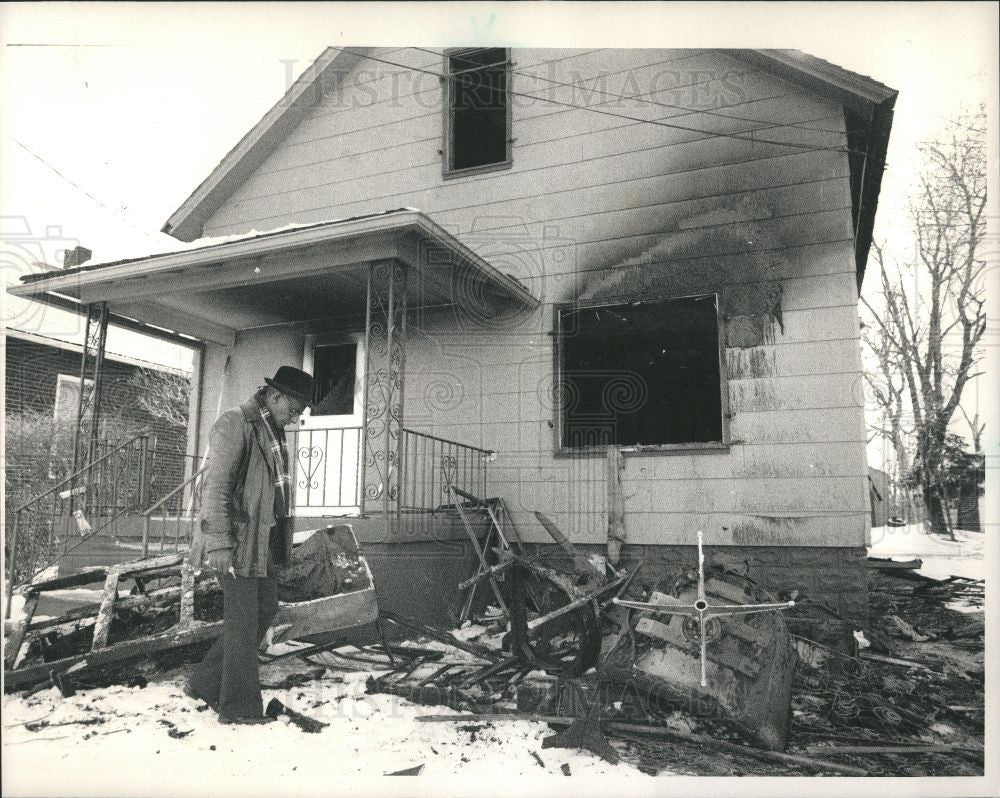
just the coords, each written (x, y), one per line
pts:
(965, 556)
(154, 741)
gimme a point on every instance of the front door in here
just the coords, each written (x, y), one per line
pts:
(328, 441)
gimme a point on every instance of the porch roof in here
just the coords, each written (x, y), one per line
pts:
(212, 288)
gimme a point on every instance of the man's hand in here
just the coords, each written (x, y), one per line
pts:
(221, 560)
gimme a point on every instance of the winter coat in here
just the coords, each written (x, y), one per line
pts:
(237, 508)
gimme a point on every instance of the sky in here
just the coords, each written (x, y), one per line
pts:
(113, 113)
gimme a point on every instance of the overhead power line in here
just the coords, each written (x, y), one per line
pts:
(636, 98)
(659, 123)
(79, 188)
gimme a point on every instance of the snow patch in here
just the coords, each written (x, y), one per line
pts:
(965, 556)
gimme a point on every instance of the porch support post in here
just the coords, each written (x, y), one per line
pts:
(88, 412)
(385, 348)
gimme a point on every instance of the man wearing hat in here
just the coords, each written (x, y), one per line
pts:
(244, 532)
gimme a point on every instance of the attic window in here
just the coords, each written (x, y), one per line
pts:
(640, 374)
(477, 129)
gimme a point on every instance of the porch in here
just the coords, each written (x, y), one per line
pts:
(341, 299)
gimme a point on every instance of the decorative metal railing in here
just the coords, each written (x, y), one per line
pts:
(327, 475)
(59, 519)
(173, 517)
(422, 487)
(326, 469)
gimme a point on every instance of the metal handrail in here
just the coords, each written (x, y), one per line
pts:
(175, 491)
(148, 513)
(17, 513)
(445, 440)
(419, 487)
(76, 474)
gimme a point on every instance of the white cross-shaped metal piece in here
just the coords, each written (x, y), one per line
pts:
(701, 609)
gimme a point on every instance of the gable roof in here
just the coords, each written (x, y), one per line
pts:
(870, 100)
(263, 138)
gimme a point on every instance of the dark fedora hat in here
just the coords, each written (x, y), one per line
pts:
(293, 382)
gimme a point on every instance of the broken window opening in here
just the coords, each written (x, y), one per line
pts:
(334, 376)
(478, 129)
(641, 373)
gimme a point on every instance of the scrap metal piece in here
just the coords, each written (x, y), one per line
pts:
(701, 650)
(414, 771)
(570, 641)
(703, 612)
(585, 731)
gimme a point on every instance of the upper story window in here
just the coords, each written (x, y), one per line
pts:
(641, 374)
(477, 127)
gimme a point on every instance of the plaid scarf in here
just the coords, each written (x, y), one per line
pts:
(279, 451)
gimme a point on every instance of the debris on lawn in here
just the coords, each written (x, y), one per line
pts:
(612, 683)
(275, 709)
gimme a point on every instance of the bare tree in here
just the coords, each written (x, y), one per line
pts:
(932, 318)
(887, 387)
(163, 394)
(976, 427)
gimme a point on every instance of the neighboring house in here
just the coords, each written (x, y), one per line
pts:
(675, 276)
(42, 399)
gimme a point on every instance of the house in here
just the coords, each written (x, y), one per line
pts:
(41, 402)
(617, 286)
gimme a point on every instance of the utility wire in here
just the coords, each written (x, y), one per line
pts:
(709, 133)
(80, 188)
(636, 98)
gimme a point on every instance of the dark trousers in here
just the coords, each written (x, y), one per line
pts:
(228, 678)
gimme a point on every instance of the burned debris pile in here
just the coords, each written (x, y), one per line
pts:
(170, 614)
(702, 673)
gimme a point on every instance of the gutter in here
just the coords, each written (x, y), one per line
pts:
(67, 281)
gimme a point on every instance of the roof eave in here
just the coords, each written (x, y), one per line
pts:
(847, 88)
(400, 222)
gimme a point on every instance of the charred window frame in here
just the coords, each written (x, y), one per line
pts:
(477, 111)
(646, 376)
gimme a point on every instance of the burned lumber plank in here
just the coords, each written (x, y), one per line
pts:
(886, 564)
(905, 663)
(139, 602)
(275, 709)
(21, 678)
(187, 596)
(17, 636)
(106, 613)
(477, 651)
(829, 750)
(72, 580)
(491, 572)
(426, 695)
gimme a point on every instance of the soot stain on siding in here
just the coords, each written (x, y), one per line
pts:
(764, 530)
(747, 277)
(749, 363)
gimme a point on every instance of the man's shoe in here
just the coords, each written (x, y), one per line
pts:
(245, 720)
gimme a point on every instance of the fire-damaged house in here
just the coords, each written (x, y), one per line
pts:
(618, 287)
